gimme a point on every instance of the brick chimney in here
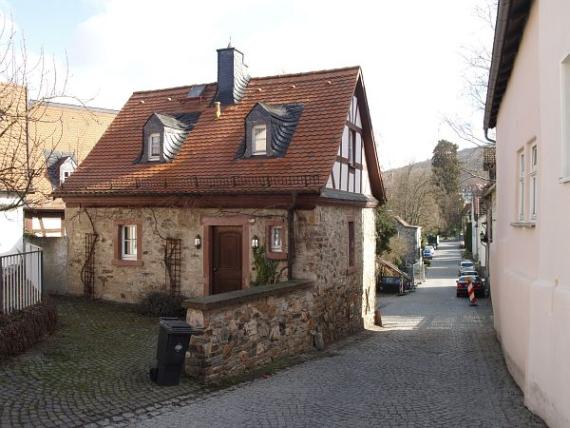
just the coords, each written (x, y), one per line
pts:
(232, 76)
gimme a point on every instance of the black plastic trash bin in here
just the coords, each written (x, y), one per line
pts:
(173, 338)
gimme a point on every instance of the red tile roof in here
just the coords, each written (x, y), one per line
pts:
(207, 160)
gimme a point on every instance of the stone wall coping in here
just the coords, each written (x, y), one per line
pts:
(215, 301)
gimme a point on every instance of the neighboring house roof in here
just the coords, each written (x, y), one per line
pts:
(404, 223)
(62, 131)
(392, 267)
(512, 16)
(209, 160)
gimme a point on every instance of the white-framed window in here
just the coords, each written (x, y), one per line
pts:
(129, 242)
(521, 185)
(532, 181)
(154, 146)
(276, 239)
(259, 140)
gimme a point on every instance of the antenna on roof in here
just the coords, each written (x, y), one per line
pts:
(230, 42)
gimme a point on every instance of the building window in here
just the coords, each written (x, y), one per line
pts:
(351, 148)
(276, 240)
(64, 176)
(521, 185)
(276, 244)
(259, 137)
(129, 242)
(154, 146)
(351, 249)
(533, 184)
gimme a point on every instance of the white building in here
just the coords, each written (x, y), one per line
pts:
(528, 102)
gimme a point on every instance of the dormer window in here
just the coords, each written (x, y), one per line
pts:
(66, 166)
(164, 134)
(154, 148)
(269, 130)
(259, 143)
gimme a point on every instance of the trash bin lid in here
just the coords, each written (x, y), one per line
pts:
(175, 325)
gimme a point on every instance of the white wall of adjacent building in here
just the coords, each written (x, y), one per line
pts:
(11, 227)
(530, 253)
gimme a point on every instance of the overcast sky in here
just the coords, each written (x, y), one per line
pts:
(410, 52)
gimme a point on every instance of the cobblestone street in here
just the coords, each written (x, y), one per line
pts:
(436, 363)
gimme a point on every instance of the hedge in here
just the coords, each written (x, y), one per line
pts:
(21, 330)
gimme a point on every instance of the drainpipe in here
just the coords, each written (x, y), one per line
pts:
(291, 236)
(490, 140)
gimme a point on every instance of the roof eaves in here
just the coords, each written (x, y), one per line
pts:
(512, 16)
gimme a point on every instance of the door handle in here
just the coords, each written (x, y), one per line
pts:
(215, 269)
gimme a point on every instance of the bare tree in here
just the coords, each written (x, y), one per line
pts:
(23, 153)
(412, 196)
(477, 60)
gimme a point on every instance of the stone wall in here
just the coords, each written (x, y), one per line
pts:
(344, 299)
(240, 336)
(234, 337)
(131, 283)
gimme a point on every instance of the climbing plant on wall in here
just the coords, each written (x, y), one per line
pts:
(266, 269)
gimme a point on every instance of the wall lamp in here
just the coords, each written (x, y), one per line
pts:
(255, 242)
(198, 241)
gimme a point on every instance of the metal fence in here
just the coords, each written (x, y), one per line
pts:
(20, 280)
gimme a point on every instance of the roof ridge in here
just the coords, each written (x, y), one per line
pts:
(305, 73)
(273, 76)
(172, 88)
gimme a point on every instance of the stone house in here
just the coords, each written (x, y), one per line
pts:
(528, 104)
(207, 190)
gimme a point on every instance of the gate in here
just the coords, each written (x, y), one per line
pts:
(20, 280)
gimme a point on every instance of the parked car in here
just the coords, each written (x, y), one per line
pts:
(466, 266)
(463, 282)
(428, 252)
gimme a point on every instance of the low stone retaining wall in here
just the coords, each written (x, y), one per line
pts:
(247, 329)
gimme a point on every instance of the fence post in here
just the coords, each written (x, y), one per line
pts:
(1, 286)
(41, 256)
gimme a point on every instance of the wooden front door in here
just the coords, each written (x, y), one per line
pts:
(227, 259)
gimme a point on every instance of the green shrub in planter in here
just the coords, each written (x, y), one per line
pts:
(21, 330)
(161, 304)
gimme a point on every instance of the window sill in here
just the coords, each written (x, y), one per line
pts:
(274, 255)
(563, 180)
(524, 224)
(121, 262)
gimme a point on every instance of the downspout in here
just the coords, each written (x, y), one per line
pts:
(291, 236)
(490, 140)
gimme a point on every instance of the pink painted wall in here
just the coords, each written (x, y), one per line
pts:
(531, 290)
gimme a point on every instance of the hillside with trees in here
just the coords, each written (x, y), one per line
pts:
(428, 193)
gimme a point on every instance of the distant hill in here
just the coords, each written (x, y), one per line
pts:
(471, 161)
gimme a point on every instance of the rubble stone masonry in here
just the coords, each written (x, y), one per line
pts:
(242, 335)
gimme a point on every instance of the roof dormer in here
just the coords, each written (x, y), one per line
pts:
(269, 130)
(164, 134)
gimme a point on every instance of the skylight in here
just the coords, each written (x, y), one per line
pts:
(196, 91)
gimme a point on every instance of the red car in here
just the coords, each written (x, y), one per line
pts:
(462, 283)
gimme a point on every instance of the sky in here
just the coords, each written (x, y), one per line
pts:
(410, 52)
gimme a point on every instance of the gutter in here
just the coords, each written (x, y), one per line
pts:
(512, 16)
